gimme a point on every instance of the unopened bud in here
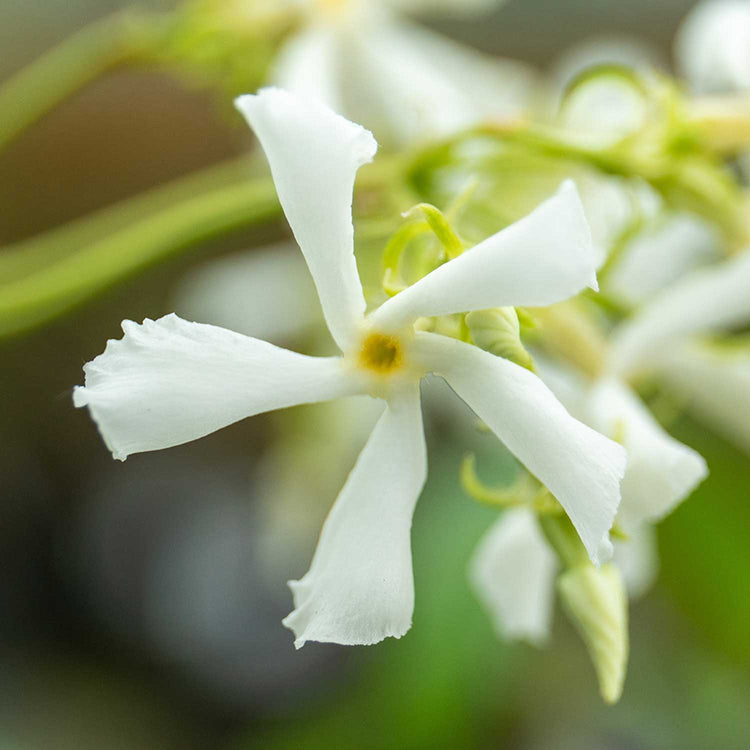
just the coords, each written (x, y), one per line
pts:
(498, 331)
(596, 603)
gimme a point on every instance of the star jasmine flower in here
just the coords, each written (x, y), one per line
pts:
(170, 381)
(660, 341)
(659, 474)
(665, 341)
(365, 59)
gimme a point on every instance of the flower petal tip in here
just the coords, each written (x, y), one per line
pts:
(80, 396)
(275, 101)
(304, 628)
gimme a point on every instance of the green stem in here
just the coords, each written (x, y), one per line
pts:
(52, 289)
(564, 539)
(63, 70)
(698, 181)
(29, 255)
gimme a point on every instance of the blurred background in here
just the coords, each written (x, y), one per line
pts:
(140, 603)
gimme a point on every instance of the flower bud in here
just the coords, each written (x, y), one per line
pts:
(596, 603)
(498, 331)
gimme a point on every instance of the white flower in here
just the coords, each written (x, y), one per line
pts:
(660, 473)
(365, 59)
(170, 381)
(663, 341)
(660, 341)
(712, 46)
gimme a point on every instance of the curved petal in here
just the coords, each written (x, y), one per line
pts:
(168, 381)
(359, 589)
(314, 155)
(715, 386)
(545, 257)
(661, 471)
(579, 466)
(267, 293)
(707, 300)
(513, 575)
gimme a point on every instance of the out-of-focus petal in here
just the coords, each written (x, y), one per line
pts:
(360, 589)
(410, 84)
(712, 47)
(707, 300)
(513, 575)
(571, 388)
(660, 471)
(265, 293)
(308, 66)
(637, 557)
(579, 466)
(168, 381)
(714, 385)
(611, 206)
(545, 257)
(314, 155)
(660, 255)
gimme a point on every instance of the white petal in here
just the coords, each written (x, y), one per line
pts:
(715, 386)
(359, 589)
(707, 300)
(579, 466)
(712, 46)
(637, 558)
(411, 84)
(661, 471)
(513, 575)
(611, 207)
(314, 155)
(571, 389)
(662, 254)
(545, 257)
(266, 293)
(168, 381)
(307, 66)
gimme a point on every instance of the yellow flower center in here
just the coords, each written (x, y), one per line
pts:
(381, 353)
